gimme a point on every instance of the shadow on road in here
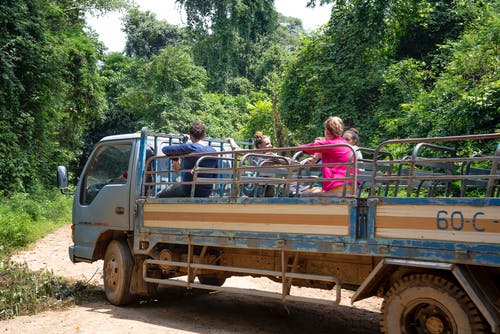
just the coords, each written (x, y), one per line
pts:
(178, 309)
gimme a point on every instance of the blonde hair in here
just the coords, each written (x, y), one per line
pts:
(335, 126)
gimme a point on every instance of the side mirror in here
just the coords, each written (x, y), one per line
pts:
(62, 178)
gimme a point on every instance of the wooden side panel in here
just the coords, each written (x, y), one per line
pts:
(439, 222)
(275, 218)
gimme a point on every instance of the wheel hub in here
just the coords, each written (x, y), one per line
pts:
(429, 317)
(434, 325)
(112, 274)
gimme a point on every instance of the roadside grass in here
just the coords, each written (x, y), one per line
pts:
(23, 220)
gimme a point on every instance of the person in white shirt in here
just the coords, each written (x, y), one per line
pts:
(352, 137)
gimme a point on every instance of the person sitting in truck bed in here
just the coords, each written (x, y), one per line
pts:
(197, 133)
(333, 130)
(260, 141)
(352, 137)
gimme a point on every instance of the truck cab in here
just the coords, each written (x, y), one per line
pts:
(101, 206)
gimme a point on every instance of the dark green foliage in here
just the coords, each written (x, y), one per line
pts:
(402, 82)
(48, 89)
(428, 23)
(21, 65)
(391, 68)
(337, 72)
(228, 34)
(165, 92)
(466, 96)
(397, 69)
(116, 75)
(146, 35)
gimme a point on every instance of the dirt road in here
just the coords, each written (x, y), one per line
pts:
(180, 311)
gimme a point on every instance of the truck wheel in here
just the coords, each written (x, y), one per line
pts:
(117, 271)
(212, 280)
(429, 304)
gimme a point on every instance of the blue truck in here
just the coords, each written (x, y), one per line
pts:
(421, 230)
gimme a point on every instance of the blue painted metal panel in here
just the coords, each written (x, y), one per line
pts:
(406, 249)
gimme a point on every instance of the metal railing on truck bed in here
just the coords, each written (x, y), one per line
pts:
(245, 173)
(429, 167)
(434, 168)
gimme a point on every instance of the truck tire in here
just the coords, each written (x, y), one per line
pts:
(118, 264)
(424, 303)
(212, 280)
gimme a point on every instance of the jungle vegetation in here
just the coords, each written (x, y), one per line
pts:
(391, 68)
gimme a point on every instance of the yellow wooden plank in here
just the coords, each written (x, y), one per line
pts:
(249, 227)
(460, 223)
(256, 218)
(249, 208)
(306, 219)
(456, 236)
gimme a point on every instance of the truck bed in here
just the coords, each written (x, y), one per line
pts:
(451, 230)
(413, 208)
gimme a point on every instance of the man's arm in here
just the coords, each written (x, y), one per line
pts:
(175, 150)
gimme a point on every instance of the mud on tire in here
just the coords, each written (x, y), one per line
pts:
(117, 272)
(422, 303)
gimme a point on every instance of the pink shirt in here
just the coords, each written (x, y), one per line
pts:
(338, 154)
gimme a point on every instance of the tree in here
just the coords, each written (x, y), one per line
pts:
(466, 96)
(166, 91)
(115, 74)
(370, 63)
(92, 6)
(420, 96)
(48, 90)
(227, 33)
(146, 35)
(336, 72)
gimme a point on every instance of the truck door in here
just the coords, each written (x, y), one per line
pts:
(102, 201)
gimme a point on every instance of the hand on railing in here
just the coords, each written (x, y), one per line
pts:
(176, 164)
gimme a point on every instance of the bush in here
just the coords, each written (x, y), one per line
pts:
(25, 217)
(14, 229)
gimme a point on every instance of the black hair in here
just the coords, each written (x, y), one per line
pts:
(354, 135)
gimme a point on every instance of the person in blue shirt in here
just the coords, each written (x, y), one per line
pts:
(197, 133)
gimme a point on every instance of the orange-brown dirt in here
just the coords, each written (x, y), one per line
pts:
(178, 310)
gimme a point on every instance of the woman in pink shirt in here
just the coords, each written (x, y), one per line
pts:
(334, 128)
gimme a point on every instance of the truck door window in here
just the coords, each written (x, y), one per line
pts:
(109, 165)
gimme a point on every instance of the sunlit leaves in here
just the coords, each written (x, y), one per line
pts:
(146, 35)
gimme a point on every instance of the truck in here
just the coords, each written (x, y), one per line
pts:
(417, 224)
